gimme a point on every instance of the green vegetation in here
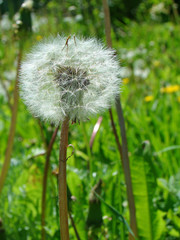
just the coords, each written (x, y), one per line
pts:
(147, 44)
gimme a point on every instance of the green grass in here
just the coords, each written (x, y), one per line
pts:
(145, 50)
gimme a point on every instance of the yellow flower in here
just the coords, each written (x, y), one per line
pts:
(148, 98)
(125, 80)
(156, 63)
(38, 37)
(170, 89)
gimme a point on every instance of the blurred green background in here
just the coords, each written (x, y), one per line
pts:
(146, 36)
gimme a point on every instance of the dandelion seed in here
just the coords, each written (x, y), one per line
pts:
(148, 98)
(170, 89)
(66, 78)
(27, 4)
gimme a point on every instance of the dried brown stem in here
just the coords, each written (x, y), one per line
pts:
(124, 152)
(63, 208)
(46, 168)
(10, 142)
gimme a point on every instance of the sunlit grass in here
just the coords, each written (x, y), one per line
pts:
(150, 99)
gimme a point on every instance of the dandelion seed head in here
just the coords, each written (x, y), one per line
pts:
(77, 78)
(27, 4)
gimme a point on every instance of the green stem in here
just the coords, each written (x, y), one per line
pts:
(121, 211)
(124, 151)
(120, 151)
(74, 226)
(91, 165)
(46, 168)
(175, 11)
(10, 142)
(127, 171)
(63, 208)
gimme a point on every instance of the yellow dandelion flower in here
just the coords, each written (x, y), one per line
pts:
(39, 37)
(170, 89)
(125, 80)
(156, 63)
(148, 98)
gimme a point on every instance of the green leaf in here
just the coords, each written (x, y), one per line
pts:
(150, 221)
(116, 213)
(170, 148)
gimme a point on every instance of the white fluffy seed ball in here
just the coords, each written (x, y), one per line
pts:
(69, 77)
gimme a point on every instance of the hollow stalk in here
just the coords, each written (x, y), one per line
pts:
(44, 186)
(124, 152)
(63, 208)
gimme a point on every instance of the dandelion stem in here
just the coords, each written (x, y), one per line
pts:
(46, 168)
(63, 208)
(10, 142)
(107, 23)
(115, 133)
(124, 152)
(127, 171)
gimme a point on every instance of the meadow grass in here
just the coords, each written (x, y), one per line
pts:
(150, 56)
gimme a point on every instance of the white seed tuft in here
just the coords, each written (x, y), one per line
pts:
(76, 78)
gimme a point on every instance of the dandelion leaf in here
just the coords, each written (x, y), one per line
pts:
(150, 221)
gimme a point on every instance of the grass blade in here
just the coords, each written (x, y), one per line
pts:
(115, 212)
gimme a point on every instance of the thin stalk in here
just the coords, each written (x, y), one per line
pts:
(127, 171)
(124, 153)
(86, 140)
(10, 142)
(42, 134)
(95, 130)
(115, 133)
(122, 229)
(107, 23)
(63, 209)
(46, 168)
(175, 11)
(7, 94)
(74, 226)
(90, 163)
(70, 215)
(120, 151)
